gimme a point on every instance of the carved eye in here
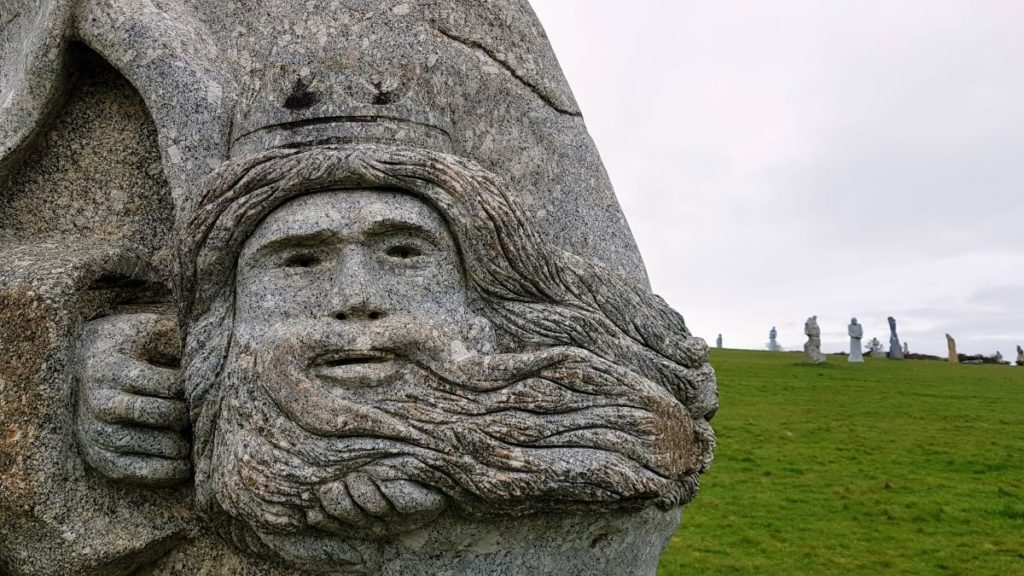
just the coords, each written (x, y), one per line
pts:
(301, 261)
(403, 252)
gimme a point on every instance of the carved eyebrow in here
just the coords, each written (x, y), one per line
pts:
(308, 239)
(392, 226)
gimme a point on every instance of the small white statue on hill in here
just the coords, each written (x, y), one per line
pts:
(812, 349)
(856, 332)
(875, 348)
(773, 344)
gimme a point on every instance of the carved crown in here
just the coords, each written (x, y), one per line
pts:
(290, 106)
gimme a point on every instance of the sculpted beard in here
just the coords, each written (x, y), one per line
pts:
(599, 398)
(485, 434)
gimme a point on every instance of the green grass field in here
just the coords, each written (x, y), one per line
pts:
(883, 468)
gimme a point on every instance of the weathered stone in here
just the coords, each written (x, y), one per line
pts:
(856, 332)
(954, 358)
(812, 348)
(718, 341)
(895, 349)
(1020, 356)
(332, 288)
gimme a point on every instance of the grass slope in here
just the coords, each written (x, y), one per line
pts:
(887, 467)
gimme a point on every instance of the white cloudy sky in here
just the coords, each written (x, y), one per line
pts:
(783, 158)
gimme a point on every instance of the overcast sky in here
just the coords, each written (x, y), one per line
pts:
(787, 158)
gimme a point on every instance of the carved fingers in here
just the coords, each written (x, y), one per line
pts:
(378, 506)
(131, 416)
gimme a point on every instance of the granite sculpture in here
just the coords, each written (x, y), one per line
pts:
(1020, 356)
(718, 341)
(812, 348)
(895, 349)
(856, 332)
(773, 344)
(906, 348)
(323, 288)
(954, 358)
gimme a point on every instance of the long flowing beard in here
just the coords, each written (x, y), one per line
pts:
(556, 429)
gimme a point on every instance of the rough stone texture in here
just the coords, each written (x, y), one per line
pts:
(338, 287)
(954, 358)
(856, 332)
(895, 349)
(477, 79)
(812, 348)
(1020, 356)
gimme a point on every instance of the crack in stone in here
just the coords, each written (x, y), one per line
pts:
(478, 47)
(10, 19)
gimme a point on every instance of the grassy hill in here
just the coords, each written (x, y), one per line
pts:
(887, 467)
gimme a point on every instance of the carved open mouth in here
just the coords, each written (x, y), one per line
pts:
(355, 368)
(351, 357)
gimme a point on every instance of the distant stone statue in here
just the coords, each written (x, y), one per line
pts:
(773, 344)
(718, 341)
(895, 350)
(1020, 356)
(951, 344)
(812, 349)
(856, 332)
(875, 348)
(906, 349)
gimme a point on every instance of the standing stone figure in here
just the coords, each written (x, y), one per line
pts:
(718, 341)
(856, 332)
(875, 348)
(812, 348)
(323, 287)
(951, 344)
(1020, 356)
(906, 348)
(895, 350)
(773, 344)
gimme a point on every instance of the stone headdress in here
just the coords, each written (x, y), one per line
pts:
(222, 80)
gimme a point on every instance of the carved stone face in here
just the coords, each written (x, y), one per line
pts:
(342, 288)
(344, 380)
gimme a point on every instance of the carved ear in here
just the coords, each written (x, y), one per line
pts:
(33, 45)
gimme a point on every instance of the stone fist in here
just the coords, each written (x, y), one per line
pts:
(362, 502)
(131, 413)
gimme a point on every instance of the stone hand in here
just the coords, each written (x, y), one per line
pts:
(131, 413)
(364, 503)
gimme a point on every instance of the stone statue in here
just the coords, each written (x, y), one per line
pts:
(951, 344)
(856, 332)
(773, 344)
(1020, 356)
(718, 341)
(812, 348)
(875, 348)
(334, 288)
(895, 350)
(906, 348)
